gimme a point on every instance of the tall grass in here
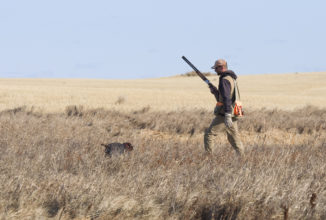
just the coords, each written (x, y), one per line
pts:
(52, 165)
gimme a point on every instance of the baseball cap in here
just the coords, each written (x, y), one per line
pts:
(219, 62)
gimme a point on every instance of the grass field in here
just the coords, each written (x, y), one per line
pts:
(52, 164)
(283, 91)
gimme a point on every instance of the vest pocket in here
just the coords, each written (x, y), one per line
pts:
(218, 108)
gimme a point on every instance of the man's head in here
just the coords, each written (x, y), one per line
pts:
(220, 66)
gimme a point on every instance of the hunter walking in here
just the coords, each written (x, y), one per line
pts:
(224, 117)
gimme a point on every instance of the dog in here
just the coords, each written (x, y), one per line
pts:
(117, 148)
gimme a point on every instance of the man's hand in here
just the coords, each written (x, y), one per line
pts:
(213, 89)
(228, 120)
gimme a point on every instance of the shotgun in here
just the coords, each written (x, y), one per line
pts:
(211, 86)
(197, 71)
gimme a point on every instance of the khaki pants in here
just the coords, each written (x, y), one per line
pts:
(218, 125)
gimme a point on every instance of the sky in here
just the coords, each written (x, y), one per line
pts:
(131, 39)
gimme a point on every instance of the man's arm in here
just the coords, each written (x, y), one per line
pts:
(225, 90)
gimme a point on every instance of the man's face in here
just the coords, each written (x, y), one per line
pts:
(220, 68)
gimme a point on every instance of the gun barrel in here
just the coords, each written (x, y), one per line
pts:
(196, 70)
(190, 64)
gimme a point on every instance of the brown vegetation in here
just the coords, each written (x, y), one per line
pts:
(193, 73)
(53, 165)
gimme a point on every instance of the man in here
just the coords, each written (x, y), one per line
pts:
(223, 120)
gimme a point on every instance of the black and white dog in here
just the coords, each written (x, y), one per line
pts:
(117, 148)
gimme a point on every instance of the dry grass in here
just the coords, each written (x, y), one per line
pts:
(282, 91)
(52, 165)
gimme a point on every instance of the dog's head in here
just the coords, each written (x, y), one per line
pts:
(128, 146)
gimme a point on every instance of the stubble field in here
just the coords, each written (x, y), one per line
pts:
(52, 164)
(282, 91)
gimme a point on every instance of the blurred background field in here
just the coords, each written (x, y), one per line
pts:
(282, 91)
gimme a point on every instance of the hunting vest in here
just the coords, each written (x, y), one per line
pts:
(236, 106)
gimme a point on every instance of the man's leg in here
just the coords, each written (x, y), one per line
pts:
(234, 137)
(211, 132)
